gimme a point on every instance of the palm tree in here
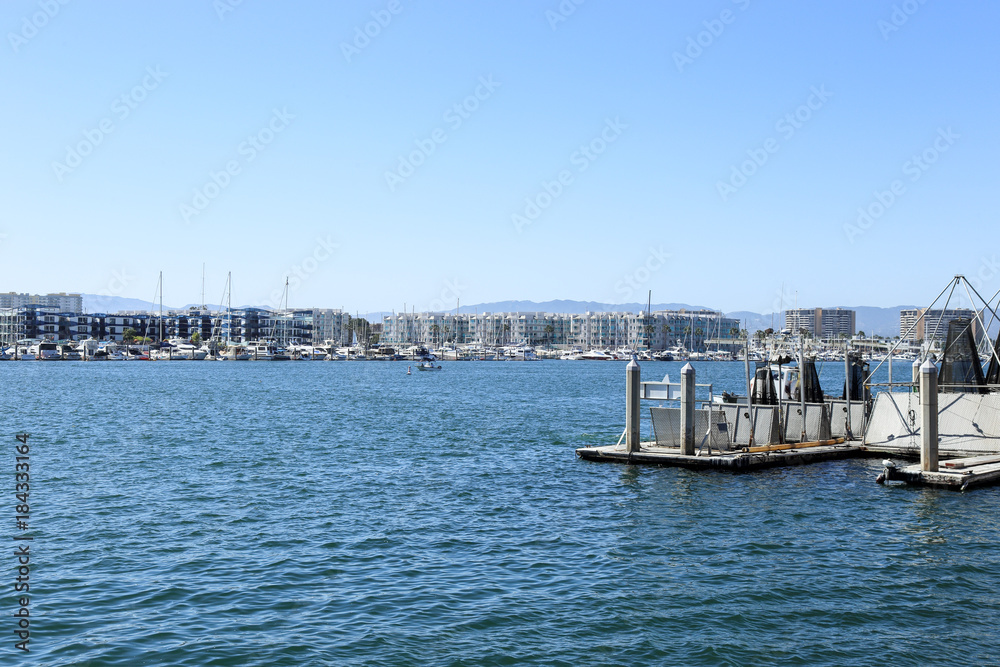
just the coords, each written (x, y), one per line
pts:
(649, 329)
(549, 330)
(435, 329)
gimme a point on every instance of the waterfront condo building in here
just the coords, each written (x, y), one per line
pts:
(825, 323)
(68, 303)
(933, 326)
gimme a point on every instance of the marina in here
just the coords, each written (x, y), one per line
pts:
(541, 334)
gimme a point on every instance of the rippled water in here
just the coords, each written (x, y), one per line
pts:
(346, 513)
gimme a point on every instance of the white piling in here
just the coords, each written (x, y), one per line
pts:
(928, 417)
(916, 375)
(632, 413)
(687, 410)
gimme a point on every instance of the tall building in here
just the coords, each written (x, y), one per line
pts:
(825, 323)
(933, 326)
(68, 303)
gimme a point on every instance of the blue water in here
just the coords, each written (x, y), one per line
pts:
(313, 513)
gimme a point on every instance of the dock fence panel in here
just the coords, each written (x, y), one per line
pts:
(667, 427)
(968, 424)
(719, 436)
(838, 418)
(817, 421)
(894, 423)
(738, 420)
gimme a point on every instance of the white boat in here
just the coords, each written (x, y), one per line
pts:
(235, 353)
(427, 366)
(266, 350)
(45, 350)
(68, 352)
(177, 349)
(596, 355)
(261, 350)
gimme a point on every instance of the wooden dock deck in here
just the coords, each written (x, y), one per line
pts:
(755, 458)
(957, 474)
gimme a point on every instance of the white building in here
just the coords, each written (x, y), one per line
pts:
(825, 323)
(67, 303)
(693, 330)
(933, 326)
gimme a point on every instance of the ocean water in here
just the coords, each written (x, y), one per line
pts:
(345, 513)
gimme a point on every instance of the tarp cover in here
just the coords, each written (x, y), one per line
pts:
(960, 363)
(810, 378)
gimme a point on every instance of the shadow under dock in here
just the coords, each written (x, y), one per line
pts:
(755, 458)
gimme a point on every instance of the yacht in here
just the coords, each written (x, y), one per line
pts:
(261, 350)
(45, 350)
(68, 352)
(177, 349)
(235, 353)
(596, 355)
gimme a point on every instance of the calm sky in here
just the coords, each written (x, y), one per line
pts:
(389, 153)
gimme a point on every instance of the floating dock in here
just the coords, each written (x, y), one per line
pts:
(723, 437)
(754, 458)
(957, 474)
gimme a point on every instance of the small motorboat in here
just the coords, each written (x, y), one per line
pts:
(428, 366)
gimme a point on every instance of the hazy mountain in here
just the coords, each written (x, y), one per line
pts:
(568, 306)
(99, 303)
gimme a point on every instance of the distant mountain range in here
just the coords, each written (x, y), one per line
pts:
(870, 319)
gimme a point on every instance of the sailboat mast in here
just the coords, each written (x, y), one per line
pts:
(229, 308)
(161, 306)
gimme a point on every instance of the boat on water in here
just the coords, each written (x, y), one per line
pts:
(177, 349)
(69, 352)
(235, 353)
(45, 350)
(261, 350)
(427, 366)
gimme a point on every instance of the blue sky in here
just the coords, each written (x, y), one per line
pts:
(711, 152)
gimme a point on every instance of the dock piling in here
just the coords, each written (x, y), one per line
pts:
(687, 410)
(928, 417)
(632, 414)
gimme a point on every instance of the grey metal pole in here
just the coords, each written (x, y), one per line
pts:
(746, 366)
(632, 415)
(687, 410)
(928, 417)
(847, 390)
(802, 387)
